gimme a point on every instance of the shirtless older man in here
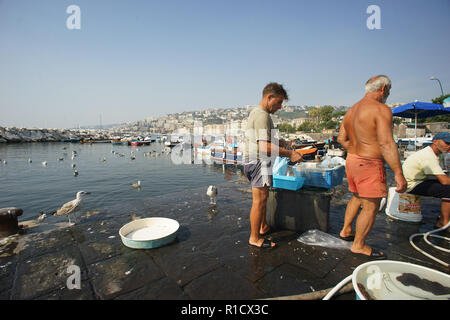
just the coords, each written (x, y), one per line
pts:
(366, 134)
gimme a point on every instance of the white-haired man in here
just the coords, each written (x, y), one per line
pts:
(366, 134)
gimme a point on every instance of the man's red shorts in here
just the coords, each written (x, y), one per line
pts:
(366, 176)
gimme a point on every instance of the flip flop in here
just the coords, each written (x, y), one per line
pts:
(349, 238)
(265, 245)
(374, 255)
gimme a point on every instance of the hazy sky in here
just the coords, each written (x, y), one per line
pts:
(135, 59)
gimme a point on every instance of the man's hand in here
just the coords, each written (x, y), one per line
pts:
(295, 157)
(285, 144)
(401, 183)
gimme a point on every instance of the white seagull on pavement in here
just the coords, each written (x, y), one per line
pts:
(72, 206)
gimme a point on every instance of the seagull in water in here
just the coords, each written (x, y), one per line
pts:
(212, 194)
(42, 216)
(71, 206)
(136, 185)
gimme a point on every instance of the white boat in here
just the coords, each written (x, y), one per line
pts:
(419, 141)
(173, 141)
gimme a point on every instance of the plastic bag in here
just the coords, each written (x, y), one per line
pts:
(280, 166)
(319, 238)
(331, 162)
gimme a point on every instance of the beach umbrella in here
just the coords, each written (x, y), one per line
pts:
(446, 103)
(419, 109)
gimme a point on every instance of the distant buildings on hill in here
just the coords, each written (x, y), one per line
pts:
(219, 120)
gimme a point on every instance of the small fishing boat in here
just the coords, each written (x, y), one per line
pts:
(72, 140)
(133, 143)
(116, 141)
(171, 144)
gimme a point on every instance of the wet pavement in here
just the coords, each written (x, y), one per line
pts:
(210, 259)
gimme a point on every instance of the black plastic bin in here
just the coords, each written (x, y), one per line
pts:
(301, 210)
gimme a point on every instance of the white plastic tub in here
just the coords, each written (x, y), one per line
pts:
(395, 280)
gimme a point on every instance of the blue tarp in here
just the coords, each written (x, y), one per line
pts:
(423, 110)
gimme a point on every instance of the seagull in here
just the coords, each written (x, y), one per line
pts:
(4, 162)
(71, 206)
(73, 165)
(136, 185)
(29, 160)
(44, 163)
(133, 158)
(42, 216)
(212, 193)
(75, 173)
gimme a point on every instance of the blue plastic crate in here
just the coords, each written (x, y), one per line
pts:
(289, 183)
(322, 178)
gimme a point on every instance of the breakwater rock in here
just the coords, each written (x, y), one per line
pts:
(13, 134)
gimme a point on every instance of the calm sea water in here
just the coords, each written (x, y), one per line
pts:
(35, 187)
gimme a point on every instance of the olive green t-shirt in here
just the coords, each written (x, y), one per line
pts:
(259, 127)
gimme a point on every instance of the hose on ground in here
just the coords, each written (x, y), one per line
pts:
(431, 234)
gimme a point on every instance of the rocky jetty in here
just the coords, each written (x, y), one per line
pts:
(13, 134)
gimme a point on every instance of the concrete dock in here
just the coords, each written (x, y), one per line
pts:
(210, 259)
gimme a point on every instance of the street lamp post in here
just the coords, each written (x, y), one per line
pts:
(433, 78)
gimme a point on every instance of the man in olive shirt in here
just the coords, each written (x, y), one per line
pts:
(425, 176)
(261, 148)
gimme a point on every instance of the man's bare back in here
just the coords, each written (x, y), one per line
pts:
(366, 131)
(360, 125)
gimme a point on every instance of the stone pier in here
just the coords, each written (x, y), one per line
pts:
(210, 259)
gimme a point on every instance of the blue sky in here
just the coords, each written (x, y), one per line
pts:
(140, 58)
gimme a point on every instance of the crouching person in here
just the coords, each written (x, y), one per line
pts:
(425, 176)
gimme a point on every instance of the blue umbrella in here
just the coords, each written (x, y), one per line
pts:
(419, 109)
(446, 103)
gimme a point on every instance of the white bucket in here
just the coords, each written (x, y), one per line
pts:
(403, 206)
(395, 280)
